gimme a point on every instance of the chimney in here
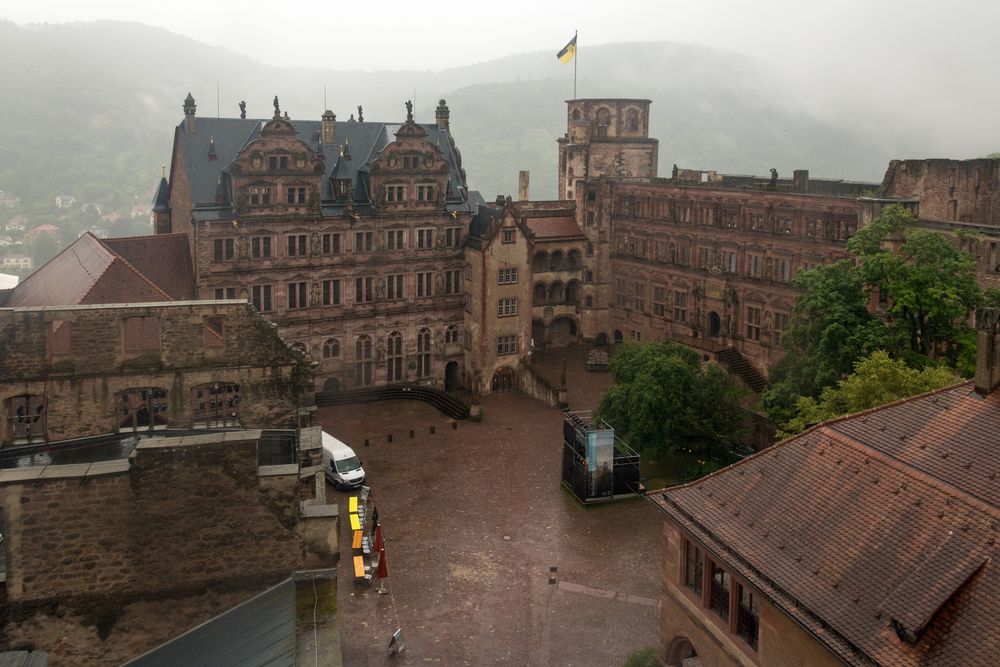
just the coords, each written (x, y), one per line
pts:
(522, 185)
(329, 129)
(800, 180)
(987, 350)
(189, 107)
(442, 114)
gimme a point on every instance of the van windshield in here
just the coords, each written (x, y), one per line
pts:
(349, 464)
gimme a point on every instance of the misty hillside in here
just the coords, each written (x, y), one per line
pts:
(90, 108)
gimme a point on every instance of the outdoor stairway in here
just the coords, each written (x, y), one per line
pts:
(444, 402)
(742, 369)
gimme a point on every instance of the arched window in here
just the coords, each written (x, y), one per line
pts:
(556, 261)
(557, 292)
(541, 294)
(632, 120)
(424, 353)
(142, 408)
(540, 262)
(394, 357)
(573, 260)
(576, 114)
(451, 334)
(573, 291)
(363, 361)
(331, 348)
(603, 120)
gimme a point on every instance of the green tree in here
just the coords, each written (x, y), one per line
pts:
(664, 400)
(877, 379)
(931, 285)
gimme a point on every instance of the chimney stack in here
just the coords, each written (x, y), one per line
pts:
(800, 180)
(441, 114)
(189, 108)
(329, 129)
(987, 350)
(522, 185)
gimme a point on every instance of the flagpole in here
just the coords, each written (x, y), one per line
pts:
(576, 56)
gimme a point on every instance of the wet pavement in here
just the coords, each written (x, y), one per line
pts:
(474, 520)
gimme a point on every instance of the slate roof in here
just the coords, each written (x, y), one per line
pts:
(85, 272)
(882, 520)
(228, 136)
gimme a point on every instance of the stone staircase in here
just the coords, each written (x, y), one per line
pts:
(742, 369)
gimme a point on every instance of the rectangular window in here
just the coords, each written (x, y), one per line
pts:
(394, 239)
(748, 616)
(506, 345)
(639, 297)
(507, 307)
(395, 193)
(425, 286)
(363, 290)
(425, 238)
(297, 295)
(753, 323)
(453, 237)
(729, 261)
(507, 276)
(718, 594)
(680, 306)
(507, 236)
(705, 258)
(755, 266)
(260, 196)
(621, 293)
(363, 241)
(295, 196)
(783, 270)
(692, 566)
(260, 246)
(260, 296)
(780, 326)
(453, 281)
(297, 246)
(425, 193)
(394, 287)
(331, 244)
(223, 248)
(225, 293)
(331, 292)
(142, 334)
(659, 301)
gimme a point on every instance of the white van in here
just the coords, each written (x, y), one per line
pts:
(341, 464)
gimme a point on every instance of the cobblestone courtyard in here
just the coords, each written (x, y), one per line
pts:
(474, 518)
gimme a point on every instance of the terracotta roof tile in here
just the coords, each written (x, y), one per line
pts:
(830, 523)
(163, 258)
(551, 227)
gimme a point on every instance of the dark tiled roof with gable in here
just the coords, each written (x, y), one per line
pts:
(364, 140)
(85, 272)
(165, 259)
(844, 526)
(554, 227)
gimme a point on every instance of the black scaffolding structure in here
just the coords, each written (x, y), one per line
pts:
(597, 466)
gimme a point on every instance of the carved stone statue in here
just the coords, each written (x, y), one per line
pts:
(243, 246)
(361, 114)
(729, 324)
(243, 109)
(774, 178)
(277, 108)
(767, 323)
(314, 295)
(316, 247)
(439, 344)
(439, 284)
(379, 350)
(409, 110)
(380, 288)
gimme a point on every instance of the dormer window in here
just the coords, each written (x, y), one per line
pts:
(278, 163)
(411, 162)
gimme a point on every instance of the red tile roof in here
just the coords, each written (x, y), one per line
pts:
(163, 258)
(85, 272)
(554, 227)
(850, 525)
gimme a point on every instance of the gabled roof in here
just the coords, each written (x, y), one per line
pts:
(85, 272)
(165, 259)
(871, 531)
(551, 228)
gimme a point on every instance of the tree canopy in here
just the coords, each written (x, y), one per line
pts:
(664, 400)
(877, 379)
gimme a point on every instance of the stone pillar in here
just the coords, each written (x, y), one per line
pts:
(522, 185)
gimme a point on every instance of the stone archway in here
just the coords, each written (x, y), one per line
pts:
(619, 336)
(562, 331)
(714, 324)
(451, 376)
(331, 384)
(503, 380)
(681, 653)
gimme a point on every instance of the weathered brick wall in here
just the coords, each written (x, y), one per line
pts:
(181, 517)
(959, 190)
(80, 386)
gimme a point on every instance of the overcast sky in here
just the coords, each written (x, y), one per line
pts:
(864, 35)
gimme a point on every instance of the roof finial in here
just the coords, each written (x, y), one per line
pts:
(361, 114)
(243, 108)
(277, 108)
(409, 111)
(163, 171)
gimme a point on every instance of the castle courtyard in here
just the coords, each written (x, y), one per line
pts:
(474, 520)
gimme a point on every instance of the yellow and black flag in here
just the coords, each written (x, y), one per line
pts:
(568, 51)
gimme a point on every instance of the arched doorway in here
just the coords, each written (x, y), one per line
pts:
(602, 339)
(537, 334)
(562, 331)
(714, 324)
(680, 653)
(451, 376)
(619, 337)
(503, 380)
(331, 384)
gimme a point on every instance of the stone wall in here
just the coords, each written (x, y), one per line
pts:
(77, 359)
(187, 513)
(956, 190)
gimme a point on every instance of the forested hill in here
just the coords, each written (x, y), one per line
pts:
(90, 109)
